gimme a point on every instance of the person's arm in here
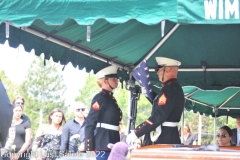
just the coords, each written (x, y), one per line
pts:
(11, 137)
(163, 107)
(28, 133)
(97, 105)
(36, 140)
(64, 139)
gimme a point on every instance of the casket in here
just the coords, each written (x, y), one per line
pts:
(167, 152)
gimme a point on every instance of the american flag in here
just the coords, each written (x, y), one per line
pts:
(141, 75)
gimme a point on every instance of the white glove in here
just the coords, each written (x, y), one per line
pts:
(131, 137)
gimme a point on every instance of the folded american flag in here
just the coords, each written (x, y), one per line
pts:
(141, 75)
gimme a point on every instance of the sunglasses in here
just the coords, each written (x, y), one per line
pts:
(79, 109)
(19, 103)
(158, 67)
(113, 78)
(223, 135)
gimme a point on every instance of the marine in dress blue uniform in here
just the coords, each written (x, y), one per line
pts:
(6, 115)
(168, 105)
(104, 116)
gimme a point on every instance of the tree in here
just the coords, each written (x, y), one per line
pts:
(89, 90)
(10, 87)
(43, 90)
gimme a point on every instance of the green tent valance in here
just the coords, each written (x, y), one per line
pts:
(86, 12)
(151, 12)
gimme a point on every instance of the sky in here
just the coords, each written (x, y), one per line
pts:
(15, 62)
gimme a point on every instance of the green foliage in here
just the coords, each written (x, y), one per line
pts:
(43, 90)
(10, 87)
(144, 110)
(89, 90)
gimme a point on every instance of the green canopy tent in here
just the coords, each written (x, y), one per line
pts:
(213, 102)
(97, 33)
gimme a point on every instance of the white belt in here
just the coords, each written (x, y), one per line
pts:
(107, 126)
(155, 134)
(170, 124)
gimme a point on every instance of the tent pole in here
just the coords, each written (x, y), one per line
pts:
(199, 129)
(77, 49)
(214, 133)
(129, 111)
(161, 42)
(182, 127)
(129, 107)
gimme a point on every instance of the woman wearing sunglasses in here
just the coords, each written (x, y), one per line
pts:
(224, 136)
(19, 100)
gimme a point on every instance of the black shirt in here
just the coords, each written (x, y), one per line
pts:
(20, 134)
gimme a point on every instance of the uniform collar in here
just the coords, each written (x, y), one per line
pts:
(107, 92)
(169, 81)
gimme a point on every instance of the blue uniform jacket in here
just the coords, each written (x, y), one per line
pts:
(167, 106)
(104, 109)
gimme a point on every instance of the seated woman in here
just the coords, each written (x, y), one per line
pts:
(189, 138)
(22, 138)
(224, 136)
(48, 137)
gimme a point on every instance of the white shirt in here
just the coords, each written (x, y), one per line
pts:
(238, 137)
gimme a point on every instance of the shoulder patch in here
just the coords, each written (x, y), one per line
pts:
(96, 106)
(162, 100)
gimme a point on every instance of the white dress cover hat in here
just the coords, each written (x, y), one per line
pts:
(165, 62)
(110, 71)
